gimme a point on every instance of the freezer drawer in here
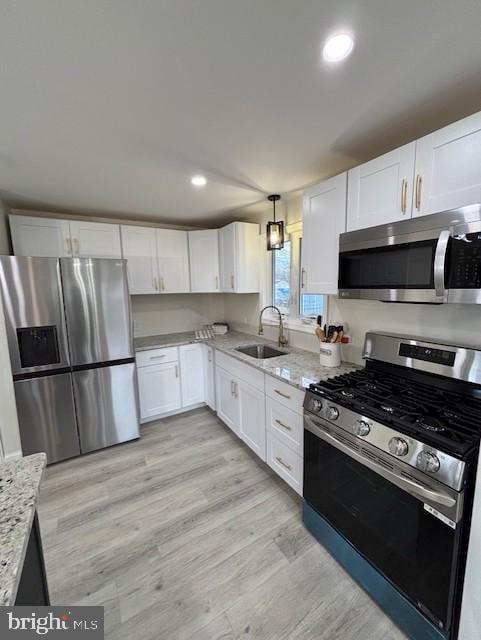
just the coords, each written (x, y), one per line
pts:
(97, 306)
(106, 403)
(46, 417)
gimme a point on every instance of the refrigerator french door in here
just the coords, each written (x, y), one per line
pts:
(31, 292)
(99, 327)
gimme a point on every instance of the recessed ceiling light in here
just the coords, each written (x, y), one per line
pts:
(338, 47)
(199, 181)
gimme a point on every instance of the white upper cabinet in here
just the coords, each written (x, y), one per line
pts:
(448, 167)
(56, 238)
(192, 374)
(204, 261)
(324, 209)
(139, 247)
(44, 237)
(239, 257)
(381, 191)
(95, 239)
(173, 257)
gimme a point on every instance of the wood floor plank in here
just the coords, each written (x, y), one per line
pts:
(186, 534)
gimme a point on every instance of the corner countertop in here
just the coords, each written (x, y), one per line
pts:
(19, 487)
(298, 367)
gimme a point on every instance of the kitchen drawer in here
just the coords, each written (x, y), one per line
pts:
(285, 424)
(246, 372)
(285, 462)
(157, 356)
(291, 397)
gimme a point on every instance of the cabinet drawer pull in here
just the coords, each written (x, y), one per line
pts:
(284, 426)
(284, 395)
(419, 182)
(284, 464)
(156, 357)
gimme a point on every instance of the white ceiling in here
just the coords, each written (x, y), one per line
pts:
(109, 106)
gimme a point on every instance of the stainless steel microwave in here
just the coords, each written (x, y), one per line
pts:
(431, 259)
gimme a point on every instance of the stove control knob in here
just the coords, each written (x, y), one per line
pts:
(362, 428)
(427, 461)
(316, 405)
(398, 446)
(332, 413)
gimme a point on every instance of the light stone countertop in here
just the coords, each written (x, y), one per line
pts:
(19, 487)
(298, 367)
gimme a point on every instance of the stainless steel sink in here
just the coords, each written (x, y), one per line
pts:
(261, 351)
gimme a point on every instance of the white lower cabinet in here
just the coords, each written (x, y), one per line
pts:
(191, 374)
(159, 390)
(209, 375)
(252, 420)
(227, 404)
(285, 462)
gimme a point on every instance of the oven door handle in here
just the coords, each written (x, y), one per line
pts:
(440, 262)
(415, 489)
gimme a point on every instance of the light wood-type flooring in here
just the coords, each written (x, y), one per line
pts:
(185, 534)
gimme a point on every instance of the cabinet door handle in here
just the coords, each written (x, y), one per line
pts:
(162, 285)
(68, 242)
(176, 370)
(156, 284)
(404, 192)
(217, 282)
(236, 394)
(156, 357)
(419, 182)
(76, 245)
(232, 282)
(284, 395)
(232, 387)
(209, 356)
(303, 272)
(281, 424)
(284, 464)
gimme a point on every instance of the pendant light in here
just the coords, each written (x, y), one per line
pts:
(274, 230)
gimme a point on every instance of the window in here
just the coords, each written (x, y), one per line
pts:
(281, 277)
(301, 308)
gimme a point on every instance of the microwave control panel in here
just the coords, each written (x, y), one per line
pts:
(465, 261)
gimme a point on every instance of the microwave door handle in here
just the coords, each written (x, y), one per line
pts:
(413, 488)
(440, 262)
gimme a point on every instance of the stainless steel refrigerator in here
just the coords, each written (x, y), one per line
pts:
(70, 339)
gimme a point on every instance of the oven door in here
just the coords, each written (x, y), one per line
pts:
(391, 523)
(398, 268)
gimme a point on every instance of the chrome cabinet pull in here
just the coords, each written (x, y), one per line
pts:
(419, 182)
(176, 370)
(209, 355)
(284, 464)
(232, 387)
(156, 357)
(76, 245)
(217, 282)
(232, 282)
(404, 192)
(68, 242)
(284, 395)
(281, 424)
(303, 272)
(162, 285)
(156, 284)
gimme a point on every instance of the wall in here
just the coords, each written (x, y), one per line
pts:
(170, 313)
(9, 433)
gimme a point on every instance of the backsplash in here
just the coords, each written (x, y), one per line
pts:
(171, 313)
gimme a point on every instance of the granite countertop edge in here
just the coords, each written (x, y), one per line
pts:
(298, 367)
(20, 481)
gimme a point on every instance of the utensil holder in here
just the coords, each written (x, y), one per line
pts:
(330, 354)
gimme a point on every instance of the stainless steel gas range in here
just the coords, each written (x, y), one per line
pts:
(389, 468)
